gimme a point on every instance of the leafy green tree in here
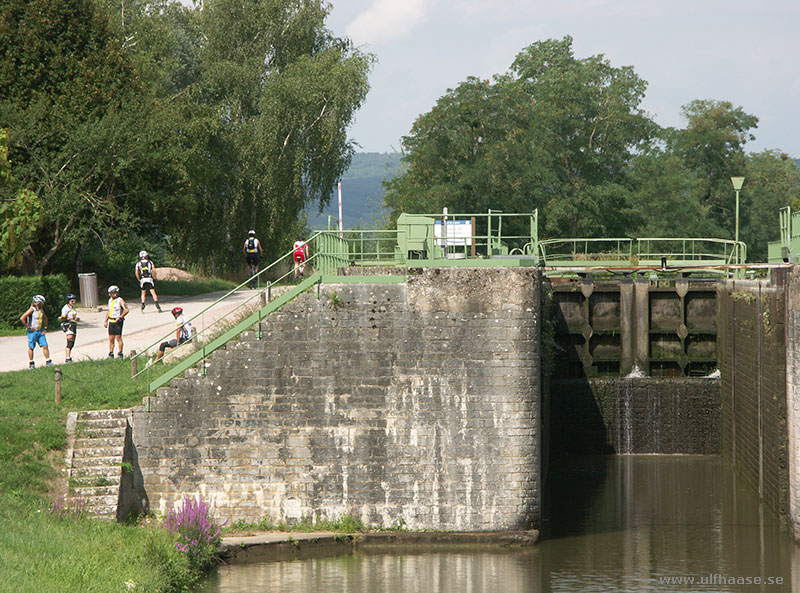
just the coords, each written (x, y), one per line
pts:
(282, 90)
(556, 133)
(82, 133)
(772, 181)
(20, 215)
(712, 147)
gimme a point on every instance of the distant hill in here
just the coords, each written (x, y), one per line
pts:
(362, 191)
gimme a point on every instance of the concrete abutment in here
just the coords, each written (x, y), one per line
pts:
(422, 404)
(411, 404)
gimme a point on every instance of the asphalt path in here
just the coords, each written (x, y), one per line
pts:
(141, 329)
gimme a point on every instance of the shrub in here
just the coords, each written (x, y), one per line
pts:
(16, 293)
(197, 534)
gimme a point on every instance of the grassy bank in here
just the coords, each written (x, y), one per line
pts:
(40, 552)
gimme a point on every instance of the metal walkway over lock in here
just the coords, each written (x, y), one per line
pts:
(441, 240)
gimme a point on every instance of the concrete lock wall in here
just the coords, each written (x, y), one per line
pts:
(414, 404)
(635, 416)
(792, 320)
(634, 367)
(754, 342)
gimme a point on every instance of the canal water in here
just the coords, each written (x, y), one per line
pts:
(615, 523)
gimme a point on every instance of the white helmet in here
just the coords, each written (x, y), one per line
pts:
(142, 254)
(38, 299)
(113, 288)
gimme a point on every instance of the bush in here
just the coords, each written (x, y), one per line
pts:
(16, 293)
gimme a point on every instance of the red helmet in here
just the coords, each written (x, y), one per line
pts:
(177, 310)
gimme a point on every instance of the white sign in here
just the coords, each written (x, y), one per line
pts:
(458, 232)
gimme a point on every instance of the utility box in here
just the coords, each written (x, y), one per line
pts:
(415, 236)
(88, 289)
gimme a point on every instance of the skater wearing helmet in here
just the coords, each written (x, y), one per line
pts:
(115, 316)
(69, 324)
(146, 275)
(252, 255)
(300, 251)
(35, 321)
(183, 332)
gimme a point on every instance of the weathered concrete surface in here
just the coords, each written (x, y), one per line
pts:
(753, 349)
(793, 397)
(414, 404)
(237, 549)
(635, 415)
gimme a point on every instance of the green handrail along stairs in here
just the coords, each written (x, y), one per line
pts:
(205, 349)
(329, 252)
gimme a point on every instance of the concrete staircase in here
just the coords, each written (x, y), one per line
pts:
(95, 452)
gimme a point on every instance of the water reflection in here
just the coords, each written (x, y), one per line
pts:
(384, 573)
(622, 523)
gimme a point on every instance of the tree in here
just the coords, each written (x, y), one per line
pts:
(79, 121)
(556, 133)
(20, 215)
(282, 90)
(772, 181)
(712, 147)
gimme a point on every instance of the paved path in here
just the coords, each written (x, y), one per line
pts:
(142, 328)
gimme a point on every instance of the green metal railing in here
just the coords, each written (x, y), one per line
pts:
(436, 237)
(787, 249)
(586, 251)
(641, 252)
(492, 239)
(205, 348)
(690, 251)
(253, 306)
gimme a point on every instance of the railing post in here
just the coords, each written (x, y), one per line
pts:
(134, 365)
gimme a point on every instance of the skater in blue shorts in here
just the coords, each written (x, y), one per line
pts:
(35, 321)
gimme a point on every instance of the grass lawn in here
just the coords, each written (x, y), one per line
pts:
(40, 552)
(130, 290)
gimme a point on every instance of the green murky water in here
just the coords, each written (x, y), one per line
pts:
(624, 523)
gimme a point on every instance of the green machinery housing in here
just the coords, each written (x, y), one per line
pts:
(787, 249)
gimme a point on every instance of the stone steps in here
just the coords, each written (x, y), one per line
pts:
(95, 452)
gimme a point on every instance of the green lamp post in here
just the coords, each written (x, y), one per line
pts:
(737, 185)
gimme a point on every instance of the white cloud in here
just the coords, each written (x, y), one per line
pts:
(387, 20)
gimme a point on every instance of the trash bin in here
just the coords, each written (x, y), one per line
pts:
(88, 287)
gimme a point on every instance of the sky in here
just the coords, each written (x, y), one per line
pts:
(745, 52)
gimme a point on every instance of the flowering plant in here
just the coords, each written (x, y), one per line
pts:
(68, 508)
(197, 533)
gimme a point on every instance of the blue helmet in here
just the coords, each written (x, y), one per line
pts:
(71, 297)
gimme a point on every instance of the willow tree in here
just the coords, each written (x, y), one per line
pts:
(281, 90)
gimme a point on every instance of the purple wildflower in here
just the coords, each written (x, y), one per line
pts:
(193, 523)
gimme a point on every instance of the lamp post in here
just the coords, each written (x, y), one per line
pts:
(737, 185)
